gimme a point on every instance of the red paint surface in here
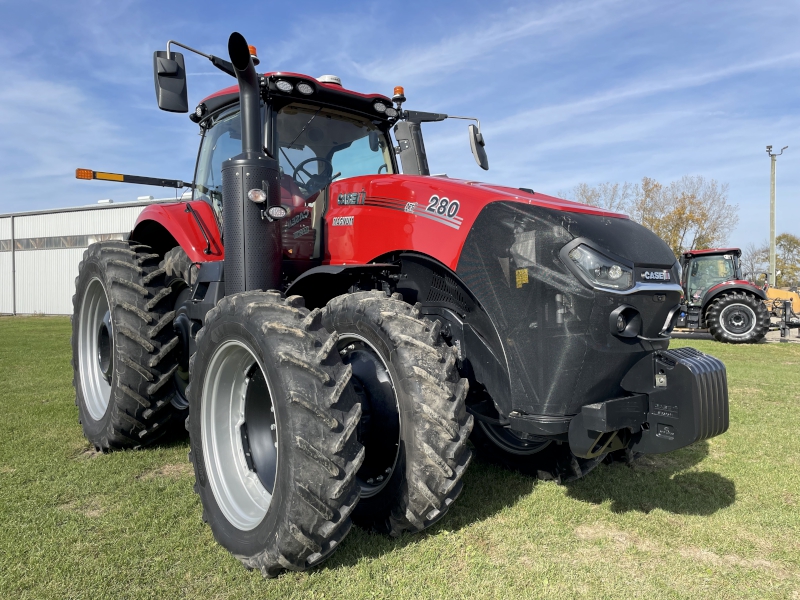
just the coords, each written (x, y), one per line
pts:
(392, 219)
(382, 225)
(234, 89)
(735, 251)
(732, 283)
(183, 227)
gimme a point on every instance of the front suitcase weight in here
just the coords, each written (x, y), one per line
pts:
(688, 399)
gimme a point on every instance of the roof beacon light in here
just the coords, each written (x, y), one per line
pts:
(304, 88)
(380, 107)
(330, 79)
(254, 54)
(399, 95)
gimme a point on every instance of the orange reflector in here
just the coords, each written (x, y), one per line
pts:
(109, 176)
(84, 174)
(399, 91)
(253, 51)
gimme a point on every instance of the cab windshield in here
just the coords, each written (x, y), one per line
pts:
(707, 271)
(315, 147)
(319, 145)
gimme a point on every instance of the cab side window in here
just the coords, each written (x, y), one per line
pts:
(221, 141)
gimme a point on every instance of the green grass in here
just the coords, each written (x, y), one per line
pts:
(720, 519)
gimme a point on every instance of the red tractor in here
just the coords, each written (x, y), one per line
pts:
(404, 314)
(717, 297)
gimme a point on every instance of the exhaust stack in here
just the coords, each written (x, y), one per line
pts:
(253, 251)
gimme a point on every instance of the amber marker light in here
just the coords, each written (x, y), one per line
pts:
(109, 176)
(84, 174)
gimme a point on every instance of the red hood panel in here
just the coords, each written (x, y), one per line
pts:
(430, 215)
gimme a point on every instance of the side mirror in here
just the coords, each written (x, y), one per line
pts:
(373, 141)
(170, 79)
(477, 145)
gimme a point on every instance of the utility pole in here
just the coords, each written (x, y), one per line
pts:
(774, 160)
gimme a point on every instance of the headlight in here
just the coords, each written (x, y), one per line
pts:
(601, 270)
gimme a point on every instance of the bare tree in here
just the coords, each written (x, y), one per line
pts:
(755, 262)
(608, 196)
(689, 213)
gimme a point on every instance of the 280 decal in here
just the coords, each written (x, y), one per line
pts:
(443, 206)
(439, 209)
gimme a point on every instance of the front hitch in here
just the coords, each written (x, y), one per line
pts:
(679, 397)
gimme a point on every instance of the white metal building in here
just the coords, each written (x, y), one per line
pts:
(40, 252)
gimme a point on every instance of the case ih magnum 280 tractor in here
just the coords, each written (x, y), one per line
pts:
(716, 296)
(402, 315)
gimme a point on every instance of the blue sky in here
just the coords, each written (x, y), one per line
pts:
(567, 92)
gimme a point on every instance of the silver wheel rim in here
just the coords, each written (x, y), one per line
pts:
(96, 389)
(240, 494)
(735, 319)
(372, 483)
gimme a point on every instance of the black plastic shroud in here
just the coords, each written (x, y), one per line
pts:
(252, 244)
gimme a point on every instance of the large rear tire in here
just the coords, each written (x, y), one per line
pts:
(123, 346)
(737, 318)
(272, 431)
(414, 425)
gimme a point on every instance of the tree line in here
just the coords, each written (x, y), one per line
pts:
(688, 214)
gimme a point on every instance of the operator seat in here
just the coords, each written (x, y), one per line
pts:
(290, 193)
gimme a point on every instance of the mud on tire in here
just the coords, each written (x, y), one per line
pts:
(123, 364)
(433, 429)
(738, 318)
(277, 480)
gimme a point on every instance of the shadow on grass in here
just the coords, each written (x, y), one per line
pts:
(652, 482)
(658, 481)
(487, 491)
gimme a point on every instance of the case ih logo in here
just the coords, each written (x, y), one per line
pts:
(297, 218)
(655, 275)
(351, 199)
(342, 221)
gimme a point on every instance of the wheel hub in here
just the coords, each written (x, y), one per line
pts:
(379, 430)
(738, 319)
(105, 348)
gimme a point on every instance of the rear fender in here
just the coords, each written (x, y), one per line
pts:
(731, 286)
(190, 225)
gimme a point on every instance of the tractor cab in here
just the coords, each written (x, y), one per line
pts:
(704, 269)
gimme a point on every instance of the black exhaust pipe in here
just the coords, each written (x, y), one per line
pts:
(253, 251)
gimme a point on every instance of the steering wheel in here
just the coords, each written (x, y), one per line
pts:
(315, 181)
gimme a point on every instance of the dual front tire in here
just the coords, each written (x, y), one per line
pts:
(298, 414)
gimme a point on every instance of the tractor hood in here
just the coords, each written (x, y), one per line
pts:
(552, 276)
(434, 215)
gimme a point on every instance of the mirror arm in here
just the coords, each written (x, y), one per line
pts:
(221, 64)
(467, 119)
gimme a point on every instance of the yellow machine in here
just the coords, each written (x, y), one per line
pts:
(776, 297)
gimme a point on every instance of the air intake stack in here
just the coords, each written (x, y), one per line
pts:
(253, 250)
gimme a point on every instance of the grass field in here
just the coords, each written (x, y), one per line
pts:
(720, 519)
